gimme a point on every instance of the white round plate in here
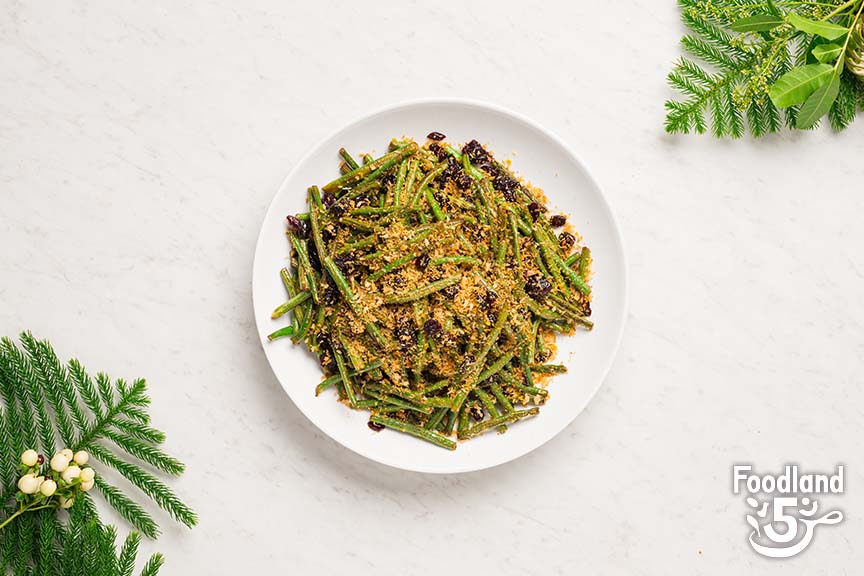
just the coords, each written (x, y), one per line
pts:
(538, 156)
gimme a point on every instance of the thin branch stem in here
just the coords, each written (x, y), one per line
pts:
(29, 508)
(841, 59)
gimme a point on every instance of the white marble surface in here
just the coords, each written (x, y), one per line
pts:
(140, 144)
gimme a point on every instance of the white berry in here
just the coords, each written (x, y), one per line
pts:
(67, 453)
(29, 458)
(48, 488)
(71, 473)
(87, 474)
(29, 483)
(81, 457)
(59, 463)
(86, 486)
(66, 502)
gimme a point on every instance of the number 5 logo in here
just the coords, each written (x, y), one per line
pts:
(784, 538)
(780, 505)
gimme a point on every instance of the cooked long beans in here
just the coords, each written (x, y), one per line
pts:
(414, 430)
(430, 284)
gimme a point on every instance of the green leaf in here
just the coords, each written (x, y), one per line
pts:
(798, 84)
(773, 9)
(823, 29)
(827, 52)
(818, 103)
(758, 23)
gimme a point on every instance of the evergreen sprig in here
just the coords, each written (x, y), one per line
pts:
(83, 545)
(47, 405)
(740, 50)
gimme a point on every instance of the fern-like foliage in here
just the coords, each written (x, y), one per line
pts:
(47, 405)
(726, 76)
(83, 545)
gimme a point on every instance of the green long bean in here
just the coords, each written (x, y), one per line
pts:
(507, 418)
(362, 172)
(415, 430)
(373, 289)
(423, 291)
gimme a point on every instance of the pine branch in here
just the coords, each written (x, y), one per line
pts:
(26, 540)
(845, 108)
(145, 481)
(730, 74)
(88, 547)
(689, 116)
(8, 545)
(147, 453)
(48, 389)
(128, 509)
(106, 392)
(15, 397)
(128, 404)
(85, 387)
(49, 529)
(107, 546)
(41, 396)
(139, 431)
(153, 565)
(708, 52)
(126, 561)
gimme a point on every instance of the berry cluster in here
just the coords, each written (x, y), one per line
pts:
(54, 484)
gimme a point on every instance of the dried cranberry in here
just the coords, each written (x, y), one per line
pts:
(464, 182)
(346, 263)
(397, 281)
(474, 232)
(406, 333)
(338, 208)
(587, 307)
(475, 151)
(452, 171)
(467, 362)
(437, 136)
(487, 166)
(314, 260)
(479, 157)
(506, 185)
(538, 286)
(566, 241)
(450, 292)
(296, 226)
(330, 295)
(558, 220)
(323, 340)
(328, 362)
(502, 339)
(40, 459)
(535, 209)
(422, 261)
(488, 298)
(327, 199)
(438, 150)
(432, 327)
(388, 180)
(476, 412)
(374, 426)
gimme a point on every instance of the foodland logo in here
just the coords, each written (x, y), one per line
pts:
(784, 516)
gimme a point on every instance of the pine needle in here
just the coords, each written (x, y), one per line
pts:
(46, 404)
(727, 74)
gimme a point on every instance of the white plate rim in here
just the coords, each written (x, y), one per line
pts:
(616, 228)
